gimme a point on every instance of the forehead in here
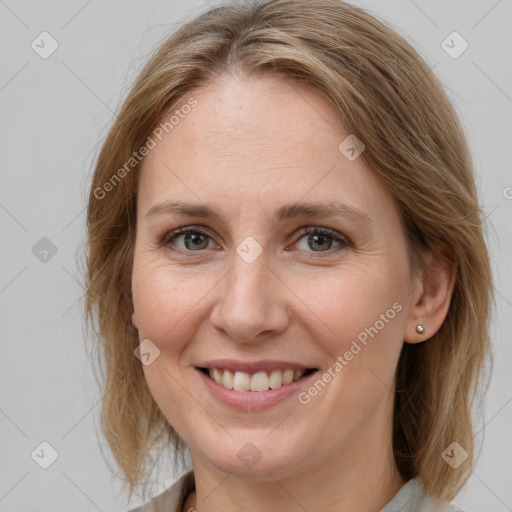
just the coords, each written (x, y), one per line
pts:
(265, 140)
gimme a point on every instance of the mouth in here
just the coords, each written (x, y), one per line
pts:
(259, 381)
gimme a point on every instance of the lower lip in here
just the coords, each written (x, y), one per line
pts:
(254, 400)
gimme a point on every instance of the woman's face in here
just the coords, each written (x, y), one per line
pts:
(256, 294)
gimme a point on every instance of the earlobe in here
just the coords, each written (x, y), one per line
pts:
(432, 303)
(420, 329)
(134, 320)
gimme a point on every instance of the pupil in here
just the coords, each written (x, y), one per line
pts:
(196, 239)
(319, 239)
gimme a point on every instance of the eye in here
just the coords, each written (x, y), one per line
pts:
(194, 239)
(321, 240)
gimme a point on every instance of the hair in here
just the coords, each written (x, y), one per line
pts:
(387, 96)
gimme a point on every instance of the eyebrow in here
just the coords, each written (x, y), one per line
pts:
(293, 210)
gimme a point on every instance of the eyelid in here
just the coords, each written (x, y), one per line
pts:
(321, 230)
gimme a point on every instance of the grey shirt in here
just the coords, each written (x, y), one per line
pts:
(408, 499)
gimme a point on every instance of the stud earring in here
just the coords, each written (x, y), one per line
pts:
(420, 329)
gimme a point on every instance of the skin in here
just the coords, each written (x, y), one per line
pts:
(247, 148)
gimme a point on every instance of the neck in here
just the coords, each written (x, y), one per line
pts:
(362, 477)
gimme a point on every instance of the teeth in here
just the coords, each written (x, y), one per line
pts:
(241, 381)
(276, 379)
(216, 375)
(298, 374)
(260, 381)
(227, 379)
(287, 377)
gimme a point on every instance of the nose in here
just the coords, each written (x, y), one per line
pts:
(251, 303)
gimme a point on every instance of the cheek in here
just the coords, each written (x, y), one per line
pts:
(354, 312)
(164, 304)
(346, 299)
(167, 301)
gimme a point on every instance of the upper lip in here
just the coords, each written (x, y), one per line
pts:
(252, 366)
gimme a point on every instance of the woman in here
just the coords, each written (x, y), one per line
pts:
(287, 268)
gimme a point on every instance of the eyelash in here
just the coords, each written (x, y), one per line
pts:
(166, 240)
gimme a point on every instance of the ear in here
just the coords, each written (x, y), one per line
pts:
(134, 320)
(430, 299)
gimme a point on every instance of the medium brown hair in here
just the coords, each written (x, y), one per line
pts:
(388, 97)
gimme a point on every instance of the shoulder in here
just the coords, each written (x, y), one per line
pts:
(172, 499)
(448, 507)
(429, 506)
(454, 508)
(410, 498)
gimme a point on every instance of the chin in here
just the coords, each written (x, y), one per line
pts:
(257, 457)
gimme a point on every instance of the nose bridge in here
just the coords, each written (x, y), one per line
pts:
(248, 278)
(249, 260)
(247, 304)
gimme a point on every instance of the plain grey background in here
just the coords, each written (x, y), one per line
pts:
(54, 113)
